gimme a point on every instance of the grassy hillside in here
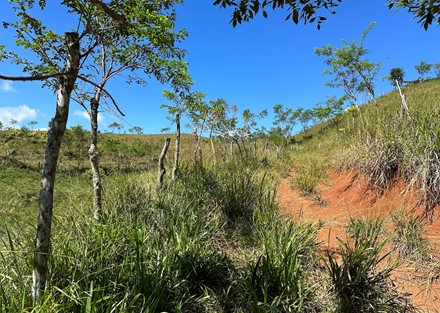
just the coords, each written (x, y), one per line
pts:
(214, 240)
(382, 143)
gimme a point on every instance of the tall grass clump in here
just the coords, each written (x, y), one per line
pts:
(278, 279)
(364, 227)
(309, 175)
(361, 278)
(409, 239)
(15, 258)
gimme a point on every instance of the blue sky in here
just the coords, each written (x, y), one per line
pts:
(255, 65)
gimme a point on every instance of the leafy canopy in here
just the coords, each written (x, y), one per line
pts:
(310, 11)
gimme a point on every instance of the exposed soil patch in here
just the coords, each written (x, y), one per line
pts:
(343, 197)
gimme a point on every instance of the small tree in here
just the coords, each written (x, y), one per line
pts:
(436, 67)
(276, 136)
(32, 124)
(396, 76)
(423, 68)
(285, 119)
(350, 69)
(13, 122)
(76, 137)
(180, 100)
(216, 120)
(248, 126)
(321, 113)
(198, 111)
(305, 118)
(113, 126)
(136, 130)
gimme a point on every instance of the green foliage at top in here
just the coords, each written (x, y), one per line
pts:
(426, 12)
(309, 11)
(350, 69)
(144, 41)
(396, 75)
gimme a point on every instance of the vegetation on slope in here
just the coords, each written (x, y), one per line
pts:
(212, 241)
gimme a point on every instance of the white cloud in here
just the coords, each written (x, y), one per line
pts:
(6, 86)
(85, 115)
(20, 113)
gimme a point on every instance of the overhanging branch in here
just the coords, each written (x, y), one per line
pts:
(31, 78)
(110, 12)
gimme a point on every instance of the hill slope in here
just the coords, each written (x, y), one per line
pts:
(382, 165)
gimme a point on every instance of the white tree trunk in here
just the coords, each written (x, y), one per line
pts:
(198, 157)
(211, 139)
(94, 160)
(175, 173)
(404, 110)
(55, 134)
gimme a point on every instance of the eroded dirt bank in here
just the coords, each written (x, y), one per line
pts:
(343, 197)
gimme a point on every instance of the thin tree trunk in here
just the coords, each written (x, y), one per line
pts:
(404, 110)
(175, 173)
(162, 171)
(266, 148)
(94, 159)
(243, 144)
(238, 145)
(231, 147)
(55, 134)
(198, 150)
(225, 152)
(212, 146)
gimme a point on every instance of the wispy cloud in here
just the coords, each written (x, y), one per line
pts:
(20, 113)
(85, 115)
(6, 86)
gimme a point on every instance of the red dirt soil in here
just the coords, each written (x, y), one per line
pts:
(346, 196)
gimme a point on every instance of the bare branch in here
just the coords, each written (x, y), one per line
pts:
(110, 12)
(77, 99)
(105, 91)
(31, 78)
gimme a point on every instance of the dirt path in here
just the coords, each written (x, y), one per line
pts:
(343, 197)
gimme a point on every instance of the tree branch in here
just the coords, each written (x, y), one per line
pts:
(105, 91)
(32, 78)
(110, 12)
